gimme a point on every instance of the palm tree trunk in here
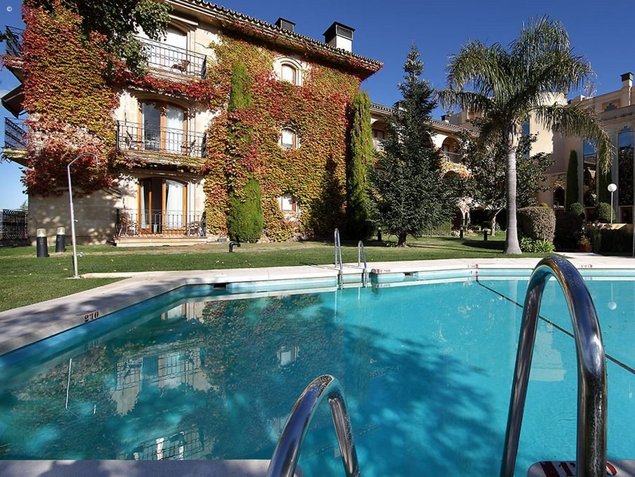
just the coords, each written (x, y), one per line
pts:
(511, 241)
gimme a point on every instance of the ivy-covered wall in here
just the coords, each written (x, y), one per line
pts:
(314, 173)
(72, 87)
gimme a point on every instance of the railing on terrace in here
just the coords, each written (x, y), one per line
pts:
(173, 58)
(453, 157)
(137, 137)
(146, 222)
(14, 134)
(14, 41)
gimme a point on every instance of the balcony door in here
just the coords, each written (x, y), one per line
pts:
(164, 127)
(162, 206)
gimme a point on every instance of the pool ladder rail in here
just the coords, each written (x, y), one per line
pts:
(339, 264)
(287, 452)
(592, 385)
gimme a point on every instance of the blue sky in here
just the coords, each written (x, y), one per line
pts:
(599, 30)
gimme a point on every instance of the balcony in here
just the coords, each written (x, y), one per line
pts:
(453, 157)
(159, 222)
(14, 134)
(14, 41)
(174, 59)
(136, 137)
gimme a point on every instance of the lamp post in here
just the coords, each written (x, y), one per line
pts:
(612, 188)
(70, 198)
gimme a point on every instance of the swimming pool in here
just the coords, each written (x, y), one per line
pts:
(206, 374)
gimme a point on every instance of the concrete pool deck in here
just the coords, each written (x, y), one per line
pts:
(29, 324)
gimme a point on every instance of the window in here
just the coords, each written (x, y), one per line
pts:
(164, 127)
(289, 139)
(288, 203)
(289, 70)
(289, 73)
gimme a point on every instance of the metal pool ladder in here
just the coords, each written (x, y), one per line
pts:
(338, 257)
(361, 257)
(287, 453)
(592, 387)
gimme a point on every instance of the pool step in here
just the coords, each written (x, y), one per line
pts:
(614, 468)
(136, 468)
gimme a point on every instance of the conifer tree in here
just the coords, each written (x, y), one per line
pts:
(409, 191)
(361, 154)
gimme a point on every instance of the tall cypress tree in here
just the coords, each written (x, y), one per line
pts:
(361, 153)
(245, 218)
(409, 191)
(572, 191)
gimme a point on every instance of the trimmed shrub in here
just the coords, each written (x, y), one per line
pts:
(571, 194)
(612, 241)
(528, 245)
(578, 209)
(603, 213)
(568, 231)
(537, 223)
(245, 220)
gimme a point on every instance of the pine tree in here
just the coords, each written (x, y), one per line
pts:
(409, 191)
(361, 154)
(571, 194)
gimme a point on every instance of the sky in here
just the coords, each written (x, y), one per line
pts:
(600, 30)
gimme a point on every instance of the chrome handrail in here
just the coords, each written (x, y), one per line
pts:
(287, 453)
(592, 388)
(338, 255)
(361, 256)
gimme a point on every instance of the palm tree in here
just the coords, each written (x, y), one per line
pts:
(505, 85)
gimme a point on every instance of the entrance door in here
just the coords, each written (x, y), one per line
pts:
(162, 206)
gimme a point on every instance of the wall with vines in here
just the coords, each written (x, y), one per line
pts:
(314, 173)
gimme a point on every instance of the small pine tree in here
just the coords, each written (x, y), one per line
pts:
(361, 153)
(245, 220)
(571, 195)
(409, 191)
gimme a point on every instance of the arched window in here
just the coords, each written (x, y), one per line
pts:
(288, 69)
(625, 166)
(289, 139)
(558, 197)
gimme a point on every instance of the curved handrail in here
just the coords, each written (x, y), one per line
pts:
(592, 388)
(287, 453)
(338, 254)
(361, 257)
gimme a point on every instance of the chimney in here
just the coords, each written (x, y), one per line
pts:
(339, 36)
(285, 24)
(627, 80)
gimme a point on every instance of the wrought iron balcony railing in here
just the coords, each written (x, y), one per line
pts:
(14, 41)
(137, 137)
(174, 59)
(134, 222)
(14, 134)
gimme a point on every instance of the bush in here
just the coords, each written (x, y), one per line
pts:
(528, 245)
(568, 231)
(612, 241)
(245, 220)
(578, 209)
(603, 213)
(537, 223)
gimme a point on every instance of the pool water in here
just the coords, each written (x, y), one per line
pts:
(426, 371)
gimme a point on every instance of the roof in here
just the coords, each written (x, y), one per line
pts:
(260, 29)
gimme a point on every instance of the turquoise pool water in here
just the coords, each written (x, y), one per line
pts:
(200, 374)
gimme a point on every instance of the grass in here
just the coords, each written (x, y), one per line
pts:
(25, 279)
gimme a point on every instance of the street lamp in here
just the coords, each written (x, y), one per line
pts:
(70, 198)
(612, 188)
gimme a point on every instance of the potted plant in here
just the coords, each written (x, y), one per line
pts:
(584, 244)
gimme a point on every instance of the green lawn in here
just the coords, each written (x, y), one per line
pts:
(25, 279)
